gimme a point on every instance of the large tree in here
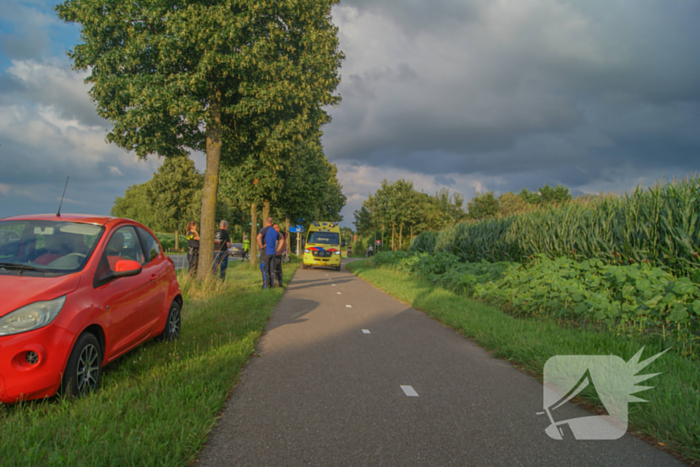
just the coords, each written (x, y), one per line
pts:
(483, 205)
(399, 207)
(225, 77)
(176, 188)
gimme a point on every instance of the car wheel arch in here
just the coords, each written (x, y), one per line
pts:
(97, 331)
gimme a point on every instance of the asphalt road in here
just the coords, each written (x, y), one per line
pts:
(321, 391)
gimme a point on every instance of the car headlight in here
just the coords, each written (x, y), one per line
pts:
(336, 252)
(307, 251)
(30, 317)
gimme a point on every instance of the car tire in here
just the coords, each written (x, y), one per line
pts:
(84, 368)
(173, 324)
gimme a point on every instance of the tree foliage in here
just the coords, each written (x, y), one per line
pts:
(303, 185)
(399, 208)
(229, 78)
(483, 205)
(171, 199)
(176, 190)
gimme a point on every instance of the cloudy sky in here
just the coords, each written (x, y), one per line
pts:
(471, 95)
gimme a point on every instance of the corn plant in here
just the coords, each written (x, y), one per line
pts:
(657, 226)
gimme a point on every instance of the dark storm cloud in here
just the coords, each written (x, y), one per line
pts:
(558, 91)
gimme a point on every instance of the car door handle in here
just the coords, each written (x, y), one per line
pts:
(153, 276)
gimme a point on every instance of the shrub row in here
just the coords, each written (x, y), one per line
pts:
(637, 298)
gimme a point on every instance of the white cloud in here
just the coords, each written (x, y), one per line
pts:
(49, 131)
(4, 189)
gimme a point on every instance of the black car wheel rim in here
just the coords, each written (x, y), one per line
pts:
(88, 369)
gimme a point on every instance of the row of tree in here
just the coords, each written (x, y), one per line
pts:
(173, 197)
(402, 212)
(486, 204)
(246, 82)
(400, 209)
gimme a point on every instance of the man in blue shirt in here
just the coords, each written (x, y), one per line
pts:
(267, 240)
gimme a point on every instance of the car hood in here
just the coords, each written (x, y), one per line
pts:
(18, 291)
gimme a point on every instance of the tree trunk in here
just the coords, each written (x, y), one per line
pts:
(411, 242)
(266, 211)
(253, 233)
(393, 235)
(211, 187)
(177, 243)
(382, 237)
(400, 235)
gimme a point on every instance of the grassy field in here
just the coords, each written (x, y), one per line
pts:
(672, 416)
(157, 404)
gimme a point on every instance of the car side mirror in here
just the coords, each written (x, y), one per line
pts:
(126, 268)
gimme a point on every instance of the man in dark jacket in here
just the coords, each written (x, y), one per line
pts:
(222, 242)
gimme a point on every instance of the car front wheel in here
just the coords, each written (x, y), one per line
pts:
(173, 324)
(84, 368)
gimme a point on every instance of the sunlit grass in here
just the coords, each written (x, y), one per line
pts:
(158, 403)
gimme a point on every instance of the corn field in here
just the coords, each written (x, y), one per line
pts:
(658, 225)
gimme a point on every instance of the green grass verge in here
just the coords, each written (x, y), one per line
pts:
(672, 415)
(157, 404)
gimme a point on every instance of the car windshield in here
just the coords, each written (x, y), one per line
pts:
(326, 238)
(46, 247)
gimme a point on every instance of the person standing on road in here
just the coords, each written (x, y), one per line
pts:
(222, 242)
(267, 238)
(192, 248)
(246, 246)
(278, 260)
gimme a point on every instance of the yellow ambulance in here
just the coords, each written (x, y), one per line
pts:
(322, 245)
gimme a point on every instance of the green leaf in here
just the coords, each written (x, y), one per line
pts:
(651, 303)
(684, 287)
(678, 313)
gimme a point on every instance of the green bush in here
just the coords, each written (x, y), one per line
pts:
(167, 240)
(658, 226)
(425, 242)
(638, 298)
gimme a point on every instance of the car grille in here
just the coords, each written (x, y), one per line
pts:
(322, 254)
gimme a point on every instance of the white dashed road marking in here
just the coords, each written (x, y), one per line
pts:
(409, 391)
(365, 331)
(348, 306)
(338, 293)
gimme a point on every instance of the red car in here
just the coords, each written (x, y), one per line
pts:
(78, 292)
